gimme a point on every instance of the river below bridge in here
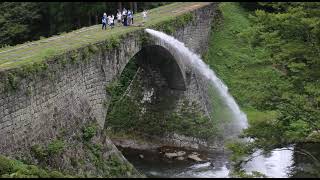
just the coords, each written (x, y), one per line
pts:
(281, 163)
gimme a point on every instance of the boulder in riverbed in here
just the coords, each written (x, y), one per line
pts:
(181, 153)
(175, 154)
(180, 158)
(194, 157)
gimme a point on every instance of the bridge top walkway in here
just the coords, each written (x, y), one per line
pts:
(40, 50)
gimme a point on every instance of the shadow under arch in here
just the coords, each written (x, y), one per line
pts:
(155, 56)
(156, 87)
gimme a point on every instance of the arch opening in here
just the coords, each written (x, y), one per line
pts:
(155, 56)
(147, 93)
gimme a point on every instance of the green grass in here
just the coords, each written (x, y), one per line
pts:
(251, 79)
(38, 51)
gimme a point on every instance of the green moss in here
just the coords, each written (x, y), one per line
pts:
(56, 147)
(12, 81)
(74, 162)
(74, 57)
(11, 168)
(43, 153)
(89, 132)
(183, 20)
(115, 167)
(63, 61)
(144, 39)
(115, 42)
(39, 152)
(85, 54)
(93, 48)
(25, 71)
(57, 174)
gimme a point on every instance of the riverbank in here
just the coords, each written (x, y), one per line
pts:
(152, 143)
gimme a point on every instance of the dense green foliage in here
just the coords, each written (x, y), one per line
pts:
(19, 21)
(95, 153)
(291, 34)
(45, 153)
(26, 21)
(270, 62)
(269, 58)
(10, 168)
(89, 132)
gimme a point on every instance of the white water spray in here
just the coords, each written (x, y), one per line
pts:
(195, 61)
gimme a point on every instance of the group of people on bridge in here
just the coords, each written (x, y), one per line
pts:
(125, 17)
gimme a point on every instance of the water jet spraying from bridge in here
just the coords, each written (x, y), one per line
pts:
(193, 60)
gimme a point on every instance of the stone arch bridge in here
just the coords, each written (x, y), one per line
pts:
(64, 98)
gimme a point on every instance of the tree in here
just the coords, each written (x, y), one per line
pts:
(291, 35)
(120, 6)
(18, 21)
(135, 7)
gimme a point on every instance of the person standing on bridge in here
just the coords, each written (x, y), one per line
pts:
(111, 19)
(125, 20)
(124, 17)
(119, 17)
(129, 17)
(144, 15)
(104, 21)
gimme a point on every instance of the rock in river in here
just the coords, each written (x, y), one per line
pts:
(175, 154)
(194, 157)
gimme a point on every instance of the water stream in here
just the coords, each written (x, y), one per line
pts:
(193, 60)
(277, 164)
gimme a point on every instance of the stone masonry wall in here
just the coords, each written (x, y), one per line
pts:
(66, 97)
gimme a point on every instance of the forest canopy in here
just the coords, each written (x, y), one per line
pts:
(290, 33)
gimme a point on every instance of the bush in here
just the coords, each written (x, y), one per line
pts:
(39, 152)
(55, 147)
(89, 132)
(5, 165)
(10, 168)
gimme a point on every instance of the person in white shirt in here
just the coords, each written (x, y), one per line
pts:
(110, 21)
(124, 12)
(144, 15)
(119, 17)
